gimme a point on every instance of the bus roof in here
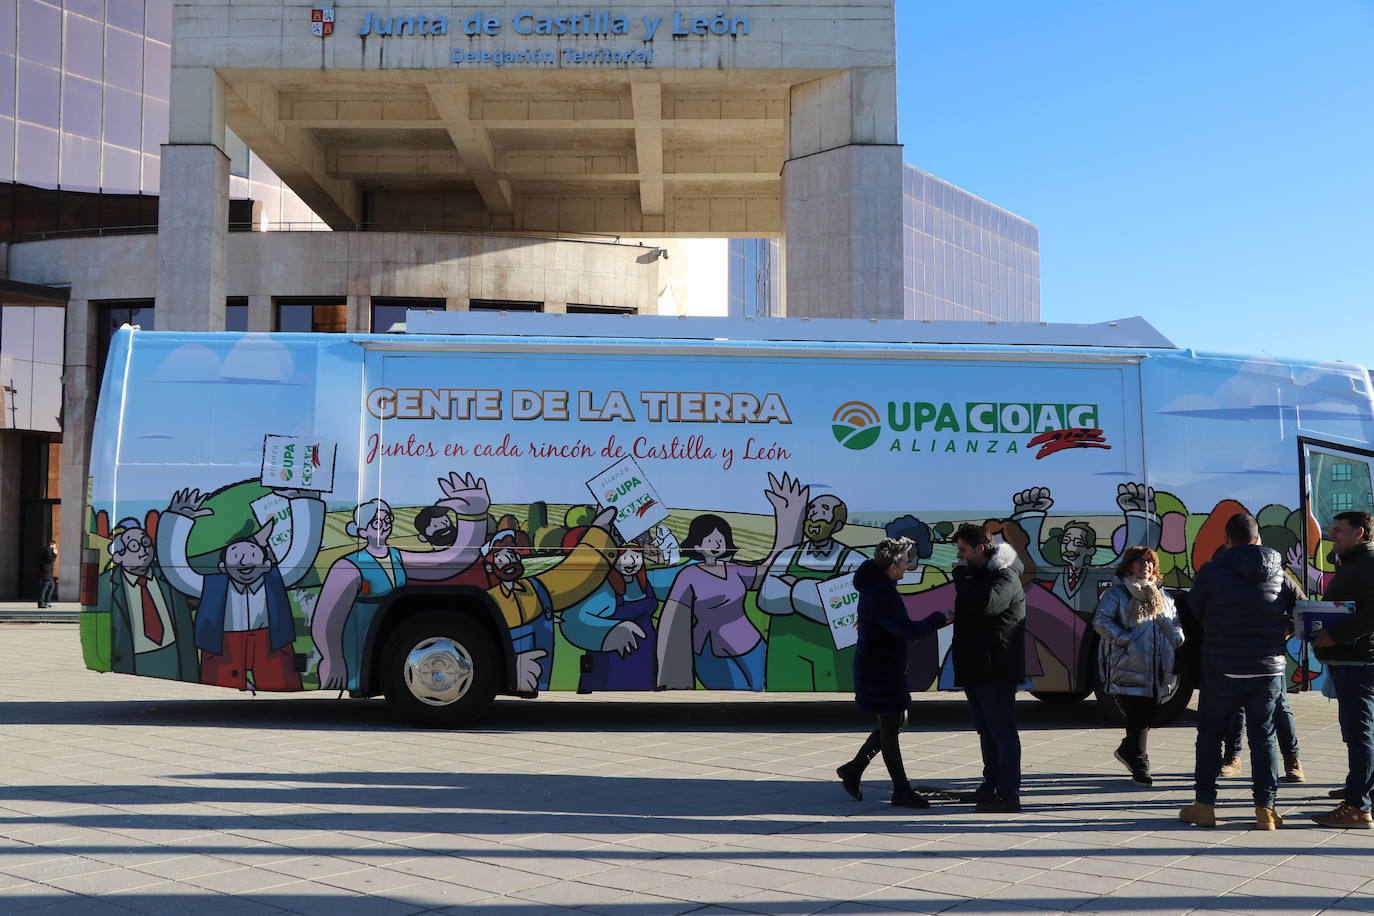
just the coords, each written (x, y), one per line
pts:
(1132, 333)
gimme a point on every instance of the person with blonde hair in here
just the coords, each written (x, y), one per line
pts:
(880, 661)
(1140, 630)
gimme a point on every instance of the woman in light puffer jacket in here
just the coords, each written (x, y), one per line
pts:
(1140, 631)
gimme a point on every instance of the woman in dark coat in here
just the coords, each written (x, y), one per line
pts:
(880, 659)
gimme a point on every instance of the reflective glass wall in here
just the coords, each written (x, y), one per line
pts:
(962, 259)
(84, 86)
(84, 89)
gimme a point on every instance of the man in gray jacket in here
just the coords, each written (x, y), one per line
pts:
(1244, 602)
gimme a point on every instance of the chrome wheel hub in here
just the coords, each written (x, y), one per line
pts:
(438, 671)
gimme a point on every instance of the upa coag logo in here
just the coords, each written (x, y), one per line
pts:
(856, 425)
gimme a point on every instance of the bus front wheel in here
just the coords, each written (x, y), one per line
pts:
(440, 669)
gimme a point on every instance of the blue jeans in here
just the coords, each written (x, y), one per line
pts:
(1355, 694)
(1222, 697)
(993, 710)
(1285, 727)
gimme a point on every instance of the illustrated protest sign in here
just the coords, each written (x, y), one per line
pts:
(625, 486)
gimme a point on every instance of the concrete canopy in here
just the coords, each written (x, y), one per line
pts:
(401, 130)
(634, 119)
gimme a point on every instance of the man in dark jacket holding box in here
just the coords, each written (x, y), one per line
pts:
(1245, 603)
(1347, 649)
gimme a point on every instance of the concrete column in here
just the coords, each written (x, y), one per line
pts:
(358, 319)
(456, 304)
(81, 386)
(842, 198)
(259, 313)
(193, 209)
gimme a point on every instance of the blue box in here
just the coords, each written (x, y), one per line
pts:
(1316, 616)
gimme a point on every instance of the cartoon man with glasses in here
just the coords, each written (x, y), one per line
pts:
(150, 621)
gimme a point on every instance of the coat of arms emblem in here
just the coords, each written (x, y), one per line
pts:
(322, 21)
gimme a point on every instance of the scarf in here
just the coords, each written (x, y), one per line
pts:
(1147, 602)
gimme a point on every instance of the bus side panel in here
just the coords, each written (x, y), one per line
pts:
(1222, 436)
(695, 448)
(209, 504)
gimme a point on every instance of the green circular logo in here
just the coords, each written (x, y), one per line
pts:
(856, 425)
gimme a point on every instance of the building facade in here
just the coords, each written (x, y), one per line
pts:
(554, 159)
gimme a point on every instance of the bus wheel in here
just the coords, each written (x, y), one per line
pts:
(1060, 698)
(440, 669)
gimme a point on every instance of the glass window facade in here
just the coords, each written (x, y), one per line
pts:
(754, 283)
(389, 312)
(963, 259)
(84, 87)
(318, 315)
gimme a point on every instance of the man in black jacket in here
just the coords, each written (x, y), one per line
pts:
(990, 658)
(1347, 650)
(1244, 602)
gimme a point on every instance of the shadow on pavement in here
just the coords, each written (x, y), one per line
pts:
(564, 714)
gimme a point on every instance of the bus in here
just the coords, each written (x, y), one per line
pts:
(497, 504)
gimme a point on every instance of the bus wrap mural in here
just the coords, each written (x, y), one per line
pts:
(635, 530)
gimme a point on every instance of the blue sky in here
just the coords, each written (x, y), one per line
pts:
(1209, 166)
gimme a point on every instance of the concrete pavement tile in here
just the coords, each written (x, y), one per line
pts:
(105, 881)
(76, 905)
(631, 878)
(184, 867)
(29, 895)
(641, 904)
(375, 881)
(1001, 907)
(318, 900)
(49, 869)
(1317, 898)
(713, 890)
(180, 900)
(1198, 880)
(1224, 865)
(991, 870)
(240, 881)
(956, 885)
(478, 875)
(572, 894)
(1071, 881)
(776, 903)
(312, 868)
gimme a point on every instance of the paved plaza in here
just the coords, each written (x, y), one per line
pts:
(124, 794)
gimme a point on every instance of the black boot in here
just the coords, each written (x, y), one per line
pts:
(1140, 773)
(850, 775)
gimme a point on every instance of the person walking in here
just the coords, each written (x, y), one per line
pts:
(1347, 650)
(1140, 630)
(48, 568)
(989, 652)
(1244, 601)
(880, 660)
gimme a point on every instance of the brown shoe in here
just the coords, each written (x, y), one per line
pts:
(1230, 766)
(1292, 769)
(1345, 816)
(1267, 819)
(1199, 815)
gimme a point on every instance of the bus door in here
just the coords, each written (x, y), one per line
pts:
(1335, 479)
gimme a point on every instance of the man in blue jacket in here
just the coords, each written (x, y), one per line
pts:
(1244, 602)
